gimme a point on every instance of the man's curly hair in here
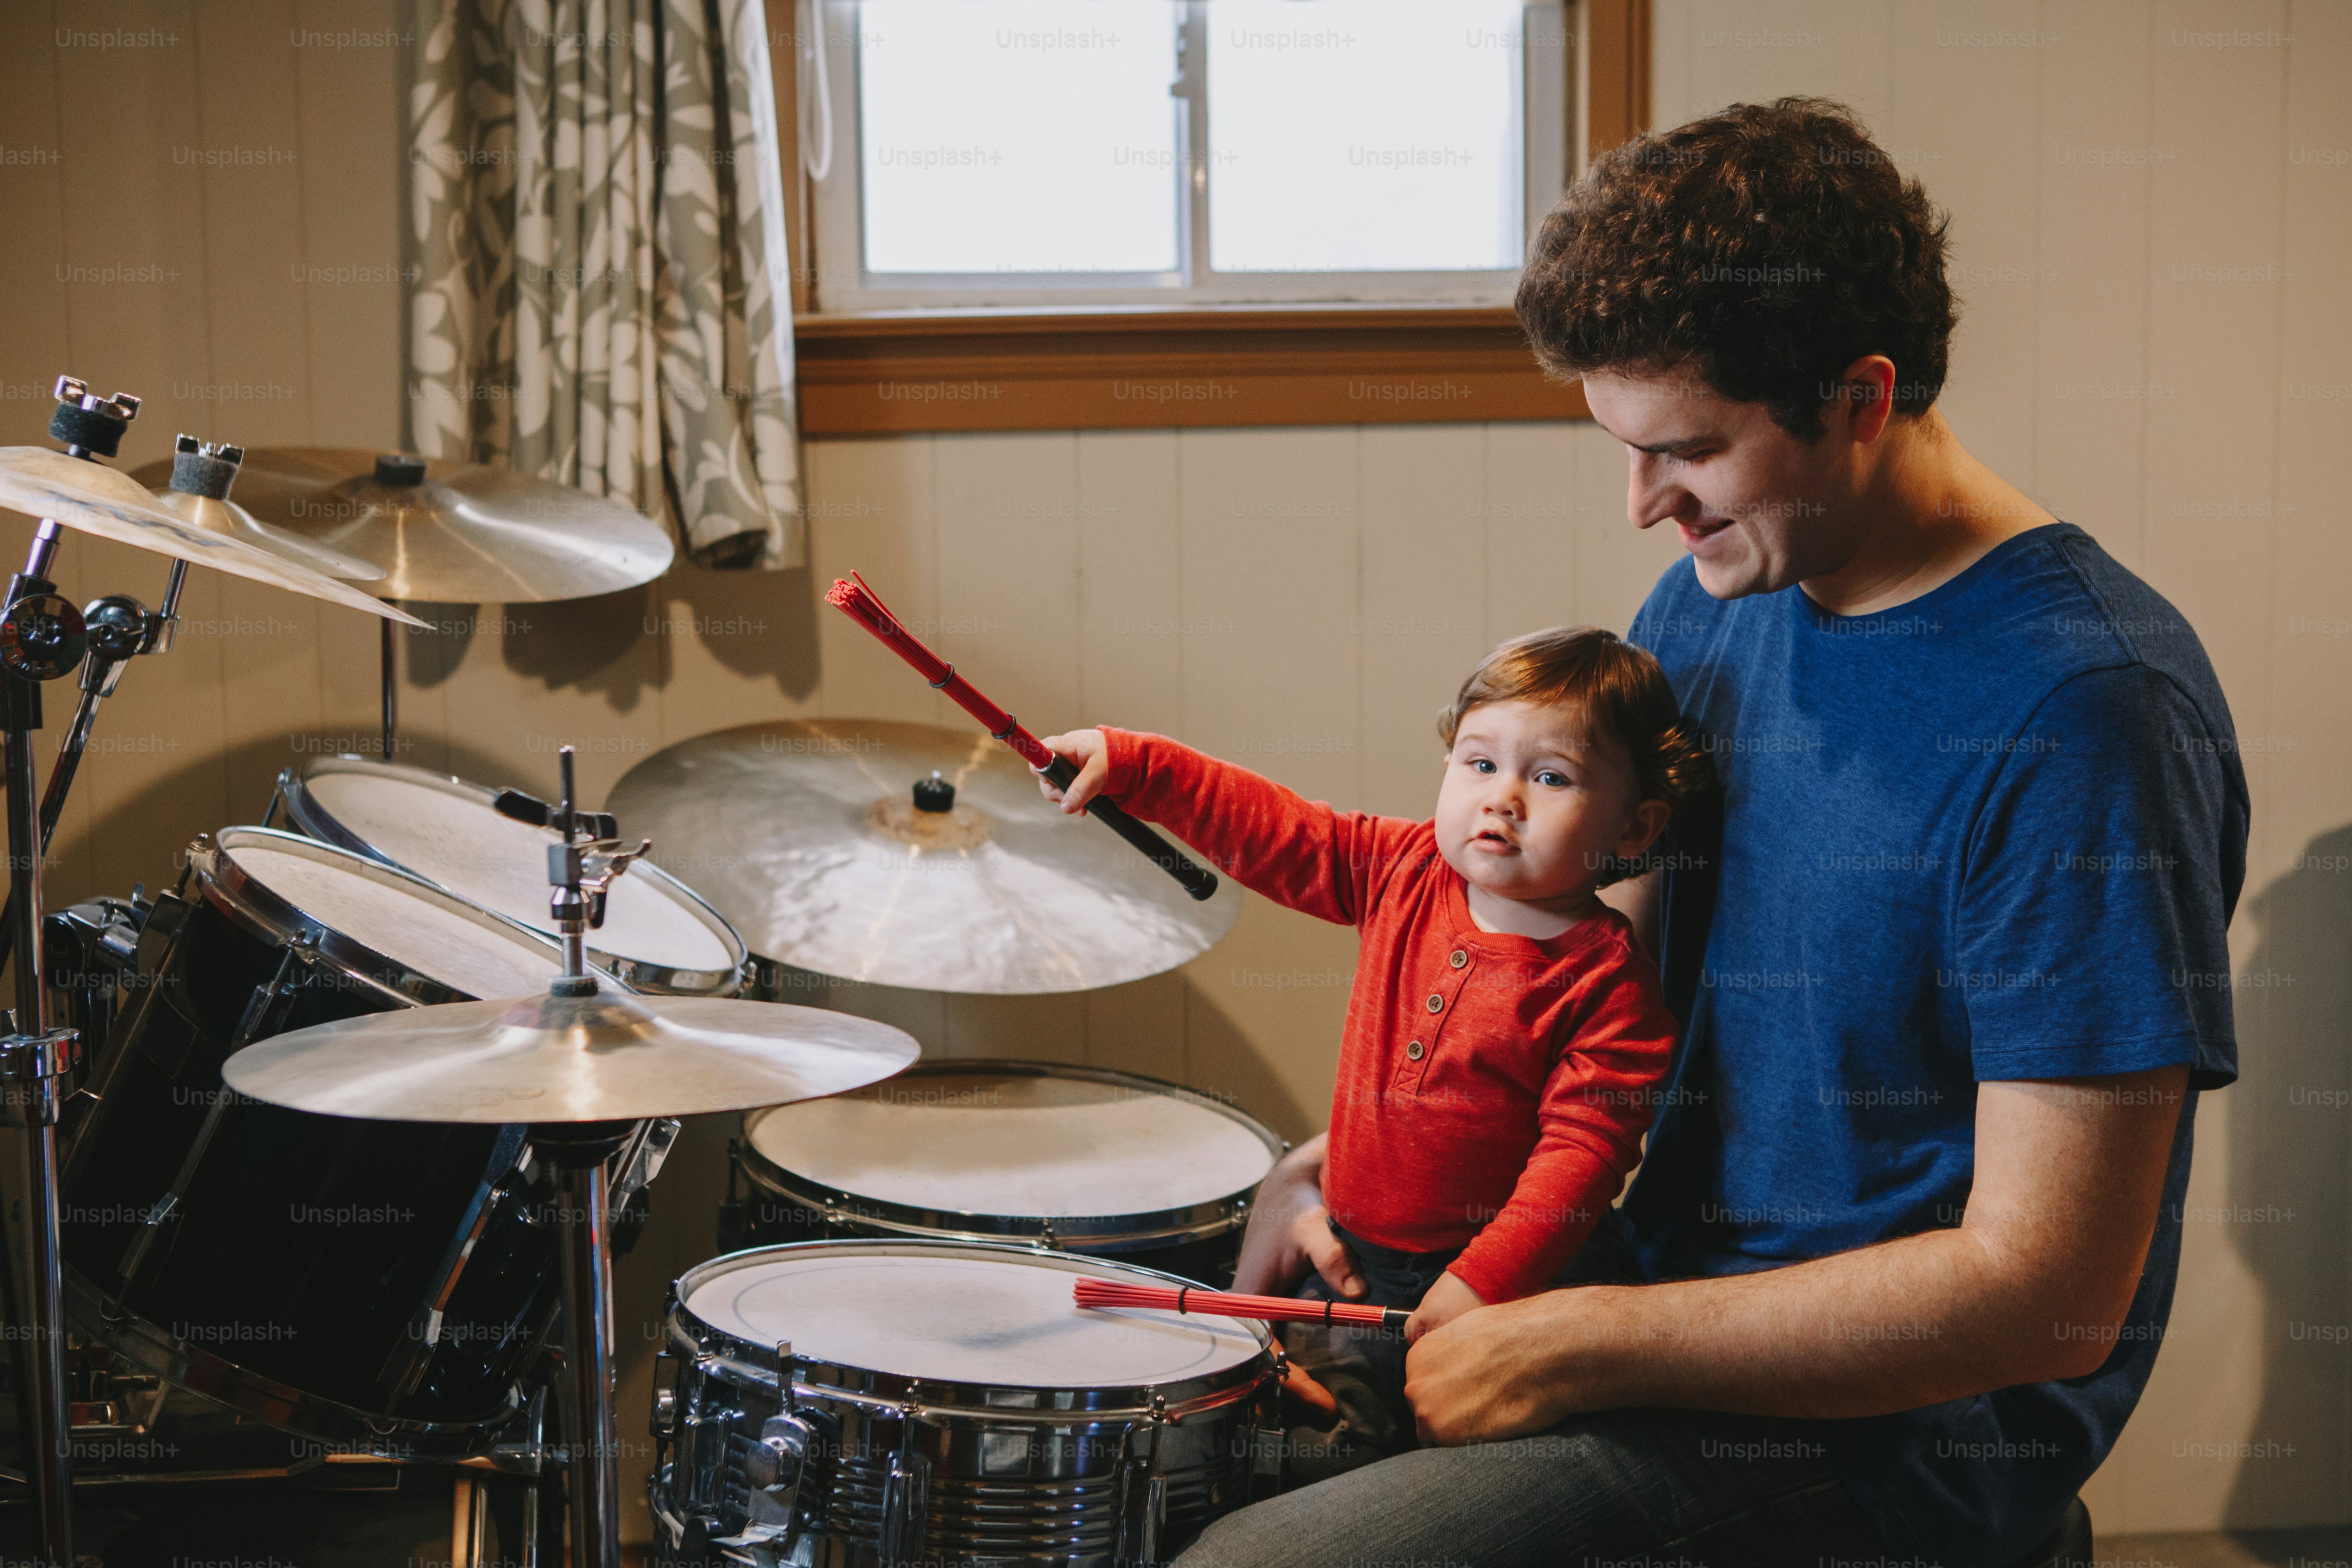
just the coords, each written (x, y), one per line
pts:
(1766, 247)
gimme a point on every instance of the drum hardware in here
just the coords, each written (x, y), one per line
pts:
(906, 1486)
(1001, 894)
(580, 1063)
(367, 1368)
(485, 844)
(1056, 1158)
(1054, 1437)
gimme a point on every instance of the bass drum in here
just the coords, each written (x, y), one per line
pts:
(658, 934)
(1109, 1164)
(844, 1404)
(378, 1286)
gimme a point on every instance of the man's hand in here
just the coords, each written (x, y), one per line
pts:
(1091, 752)
(1445, 1301)
(1502, 1371)
(1289, 1232)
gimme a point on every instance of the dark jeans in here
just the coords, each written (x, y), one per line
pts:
(1692, 1489)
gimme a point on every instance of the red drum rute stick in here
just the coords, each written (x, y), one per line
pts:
(852, 598)
(1223, 1304)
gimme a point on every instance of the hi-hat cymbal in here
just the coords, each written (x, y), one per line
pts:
(95, 499)
(455, 532)
(606, 1058)
(229, 518)
(806, 836)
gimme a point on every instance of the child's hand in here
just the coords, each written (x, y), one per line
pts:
(1446, 1300)
(1091, 752)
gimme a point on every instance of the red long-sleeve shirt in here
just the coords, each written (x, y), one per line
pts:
(1493, 1089)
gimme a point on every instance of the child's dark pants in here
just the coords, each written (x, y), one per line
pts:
(1362, 1369)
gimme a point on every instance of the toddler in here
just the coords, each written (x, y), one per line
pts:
(1504, 1034)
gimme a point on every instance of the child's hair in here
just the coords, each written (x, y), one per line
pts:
(1623, 692)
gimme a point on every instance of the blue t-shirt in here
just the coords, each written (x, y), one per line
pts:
(1995, 833)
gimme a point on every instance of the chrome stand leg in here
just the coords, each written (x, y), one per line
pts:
(592, 1470)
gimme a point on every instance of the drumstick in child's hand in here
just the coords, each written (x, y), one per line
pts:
(1270, 1309)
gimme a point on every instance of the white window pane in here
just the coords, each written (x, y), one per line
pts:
(1018, 135)
(1365, 135)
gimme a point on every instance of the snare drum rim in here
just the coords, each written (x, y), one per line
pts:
(242, 897)
(250, 1393)
(1107, 1233)
(714, 1353)
(311, 814)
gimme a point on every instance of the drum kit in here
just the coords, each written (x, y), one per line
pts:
(374, 1095)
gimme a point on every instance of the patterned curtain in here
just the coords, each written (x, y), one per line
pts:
(599, 295)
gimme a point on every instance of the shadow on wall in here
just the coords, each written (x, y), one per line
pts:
(761, 625)
(2290, 1186)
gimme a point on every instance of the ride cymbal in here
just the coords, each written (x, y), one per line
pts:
(450, 532)
(812, 839)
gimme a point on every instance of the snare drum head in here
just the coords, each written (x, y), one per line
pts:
(419, 927)
(1034, 1145)
(445, 831)
(958, 1315)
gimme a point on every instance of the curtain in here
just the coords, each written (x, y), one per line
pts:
(599, 295)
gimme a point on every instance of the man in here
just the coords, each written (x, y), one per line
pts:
(1952, 967)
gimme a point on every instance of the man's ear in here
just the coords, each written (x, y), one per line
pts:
(1866, 388)
(1642, 829)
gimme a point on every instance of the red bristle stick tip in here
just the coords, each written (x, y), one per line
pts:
(842, 594)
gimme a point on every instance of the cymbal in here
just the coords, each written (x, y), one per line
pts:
(455, 532)
(804, 834)
(229, 518)
(96, 499)
(609, 1057)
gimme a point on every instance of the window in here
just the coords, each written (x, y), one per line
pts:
(1045, 154)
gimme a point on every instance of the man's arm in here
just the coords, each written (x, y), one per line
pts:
(2029, 1288)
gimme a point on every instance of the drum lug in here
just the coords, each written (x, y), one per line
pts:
(906, 1507)
(1144, 1509)
(665, 1407)
(775, 1469)
(906, 1489)
(1046, 1240)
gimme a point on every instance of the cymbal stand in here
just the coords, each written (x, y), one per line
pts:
(579, 872)
(119, 627)
(42, 638)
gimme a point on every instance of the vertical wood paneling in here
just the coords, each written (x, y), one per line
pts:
(1423, 625)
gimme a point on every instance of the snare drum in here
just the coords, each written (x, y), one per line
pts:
(377, 1285)
(658, 934)
(945, 1404)
(1101, 1163)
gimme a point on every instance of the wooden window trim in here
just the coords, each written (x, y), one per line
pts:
(901, 371)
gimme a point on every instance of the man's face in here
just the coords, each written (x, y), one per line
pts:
(1757, 508)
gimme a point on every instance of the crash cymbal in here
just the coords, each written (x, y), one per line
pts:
(449, 532)
(96, 499)
(608, 1057)
(227, 518)
(807, 837)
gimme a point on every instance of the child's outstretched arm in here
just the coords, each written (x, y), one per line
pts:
(1297, 851)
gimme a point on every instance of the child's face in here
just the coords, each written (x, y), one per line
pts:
(1534, 804)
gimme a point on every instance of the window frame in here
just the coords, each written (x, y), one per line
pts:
(844, 287)
(1270, 363)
